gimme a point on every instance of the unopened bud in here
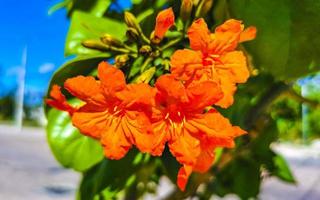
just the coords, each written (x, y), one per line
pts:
(206, 6)
(146, 76)
(132, 21)
(145, 49)
(154, 39)
(132, 34)
(121, 60)
(110, 40)
(186, 9)
(95, 44)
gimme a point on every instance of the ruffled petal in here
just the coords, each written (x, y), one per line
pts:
(235, 62)
(212, 125)
(202, 95)
(228, 88)
(91, 124)
(86, 88)
(184, 64)
(184, 147)
(199, 35)
(205, 160)
(59, 101)
(112, 79)
(137, 96)
(170, 90)
(162, 134)
(248, 34)
(138, 130)
(115, 143)
(183, 176)
(164, 20)
(226, 36)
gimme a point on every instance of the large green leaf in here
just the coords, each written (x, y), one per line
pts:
(110, 176)
(287, 44)
(71, 149)
(86, 26)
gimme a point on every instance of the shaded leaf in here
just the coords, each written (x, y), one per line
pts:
(287, 44)
(70, 148)
(109, 176)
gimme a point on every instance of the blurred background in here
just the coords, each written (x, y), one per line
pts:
(32, 48)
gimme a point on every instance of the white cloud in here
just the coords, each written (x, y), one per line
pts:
(45, 68)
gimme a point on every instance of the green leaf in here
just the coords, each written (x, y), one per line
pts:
(70, 148)
(86, 26)
(287, 40)
(283, 171)
(108, 175)
(241, 177)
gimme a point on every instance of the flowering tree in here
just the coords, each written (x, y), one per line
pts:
(153, 92)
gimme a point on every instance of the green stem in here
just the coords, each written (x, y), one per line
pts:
(145, 64)
(255, 112)
(171, 43)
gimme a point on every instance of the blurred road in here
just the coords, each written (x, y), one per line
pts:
(29, 171)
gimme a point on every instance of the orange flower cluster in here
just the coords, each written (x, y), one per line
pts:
(176, 111)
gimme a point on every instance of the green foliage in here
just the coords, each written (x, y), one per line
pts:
(71, 149)
(85, 26)
(287, 35)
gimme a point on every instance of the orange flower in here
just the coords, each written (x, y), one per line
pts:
(114, 113)
(165, 19)
(178, 120)
(213, 57)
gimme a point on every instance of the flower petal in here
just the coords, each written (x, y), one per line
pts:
(162, 135)
(164, 20)
(205, 160)
(92, 123)
(212, 125)
(86, 88)
(184, 147)
(59, 101)
(184, 64)
(199, 35)
(235, 62)
(183, 176)
(226, 37)
(248, 34)
(203, 94)
(228, 88)
(138, 130)
(115, 143)
(112, 79)
(137, 96)
(170, 90)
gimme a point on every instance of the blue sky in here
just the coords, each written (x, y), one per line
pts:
(26, 24)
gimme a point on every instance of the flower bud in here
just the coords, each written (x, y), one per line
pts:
(145, 49)
(132, 34)
(186, 9)
(131, 21)
(164, 20)
(121, 60)
(95, 44)
(146, 76)
(110, 40)
(204, 7)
